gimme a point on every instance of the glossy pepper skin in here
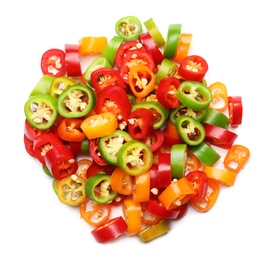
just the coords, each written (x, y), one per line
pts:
(128, 28)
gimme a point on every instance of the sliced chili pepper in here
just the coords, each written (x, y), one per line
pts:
(156, 230)
(59, 84)
(193, 67)
(69, 130)
(80, 147)
(199, 180)
(166, 69)
(194, 95)
(140, 123)
(109, 145)
(111, 48)
(152, 47)
(95, 152)
(154, 140)
(134, 157)
(235, 108)
(40, 111)
(183, 47)
(121, 182)
(94, 213)
(173, 35)
(178, 160)
(192, 162)
(71, 190)
(166, 92)
(72, 61)
(219, 136)
(61, 162)
(98, 188)
(215, 117)
(236, 157)
(76, 101)
(99, 125)
(83, 165)
(164, 175)
(90, 46)
(53, 62)
(205, 204)
(219, 96)
(110, 230)
(95, 168)
(31, 132)
(191, 131)
(154, 32)
(147, 217)
(42, 86)
(128, 28)
(141, 189)
(29, 147)
(104, 77)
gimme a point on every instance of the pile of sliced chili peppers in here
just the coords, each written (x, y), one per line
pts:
(138, 129)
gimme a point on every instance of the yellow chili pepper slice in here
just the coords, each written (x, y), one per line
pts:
(90, 46)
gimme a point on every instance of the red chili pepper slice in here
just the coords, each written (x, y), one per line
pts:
(235, 108)
(72, 61)
(94, 152)
(53, 63)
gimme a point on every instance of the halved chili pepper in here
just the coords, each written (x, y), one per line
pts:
(71, 190)
(109, 145)
(103, 77)
(94, 213)
(199, 180)
(236, 157)
(235, 108)
(166, 92)
(98, 188)
(72, 61)
(206, 203)
(191, 131)
(173, 35)
(140, 123)
(53, 62)
(99, 125)
(194, 95)
(134, 157)
(153, 231)
(69, 130)
(193, 68)
(219, 136)
(41, 111)
(76, 101)
(128, 28)
(61, 162)
(110, 230)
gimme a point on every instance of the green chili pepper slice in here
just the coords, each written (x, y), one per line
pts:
(194, 95)
(166, 69)
(76, 101)
(60, 84)
(42, 86)
(152, 28)
(128, 28)
(178, 157)
(109, 145)
(191, 131)
(206, 154)
(111, 48)
(41, 111)
(215, 117)
(98, 189)
(173, 36)
(159, 111)
(134, 157)
(100, 62)
(183, 110)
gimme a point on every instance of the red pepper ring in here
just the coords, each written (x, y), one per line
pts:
(53, 63)
(72, 61)
(110, 230)
(235, 108)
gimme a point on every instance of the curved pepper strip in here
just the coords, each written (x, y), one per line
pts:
(194, 95)
(98, 188)
(132, 214)
(206, 154)
(110, 230)
(134, 157)
(177, 193)
(191, 131)
(76, 101)
(71, 190)
(154, 231)
(41, 111)
(236, 157)
(205, 204)
(221, 176)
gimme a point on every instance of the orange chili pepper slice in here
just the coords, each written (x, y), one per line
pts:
(184, 44)
(219, 96)
(89, 46)
(141, 190)
(121, 182)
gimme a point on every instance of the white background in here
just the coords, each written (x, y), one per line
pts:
(235, 39)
